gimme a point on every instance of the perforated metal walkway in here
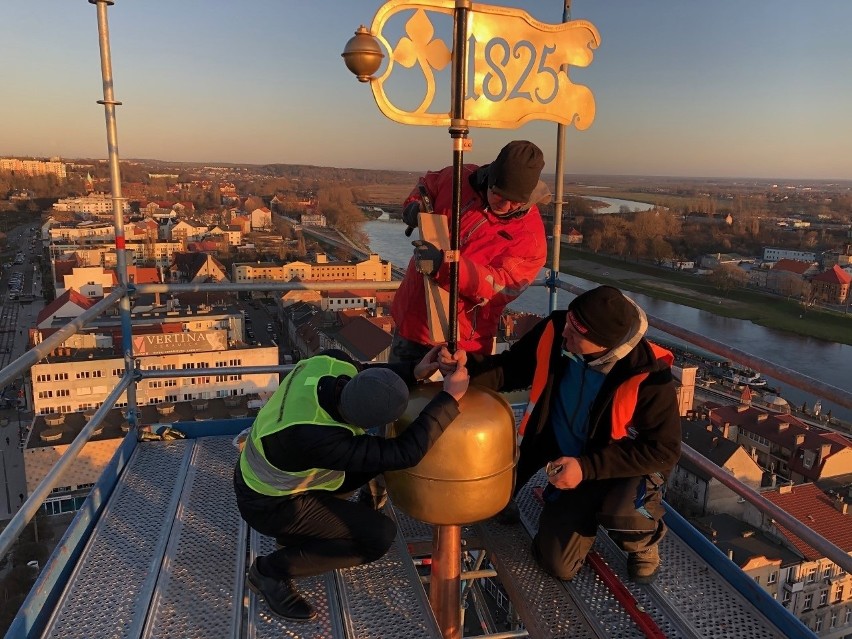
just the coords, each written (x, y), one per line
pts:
(167, 559)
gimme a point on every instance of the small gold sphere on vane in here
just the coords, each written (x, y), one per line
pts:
(362, 54)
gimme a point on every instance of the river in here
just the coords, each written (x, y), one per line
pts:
(613, 205)
(828, 362)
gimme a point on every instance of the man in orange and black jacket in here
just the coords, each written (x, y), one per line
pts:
(603, 416)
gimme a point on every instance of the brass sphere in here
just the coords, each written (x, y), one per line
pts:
(362, 54)
(469, 473)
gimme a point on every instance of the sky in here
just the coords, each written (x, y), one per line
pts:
(683, 88)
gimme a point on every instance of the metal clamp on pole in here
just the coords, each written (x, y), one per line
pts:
(551, 280)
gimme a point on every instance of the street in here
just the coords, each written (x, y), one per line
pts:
(17, 315)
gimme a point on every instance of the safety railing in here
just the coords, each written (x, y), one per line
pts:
(129, 380)
(123, 294)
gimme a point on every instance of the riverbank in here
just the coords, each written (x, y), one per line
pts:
(698, 292)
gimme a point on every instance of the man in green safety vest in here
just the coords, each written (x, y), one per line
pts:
(308, 447)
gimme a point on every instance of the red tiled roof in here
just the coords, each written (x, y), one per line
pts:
(68, 296)
(143, 274)
(64, 267)
(793, 266)
(835, 275)
(783, 430)
(808, 504)
(365, 339)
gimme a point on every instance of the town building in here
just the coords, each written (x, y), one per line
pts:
(758, 555)
(831, 286)
(692, 491)
(313, 219)
(782, 444)
(96, 205)
(573, 236)
(197, 267)
(791, 277)
(815, 590)
(34, 167)
(771, 254)
(261, 219)
(373, 269)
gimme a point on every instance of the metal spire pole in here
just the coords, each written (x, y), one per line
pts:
(560, 192)
(458, 132)
(445, 584)
(110, 103)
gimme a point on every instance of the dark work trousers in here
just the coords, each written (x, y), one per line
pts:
(319, 531)
(630, 509)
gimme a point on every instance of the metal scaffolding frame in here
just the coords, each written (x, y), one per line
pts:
(124, 292)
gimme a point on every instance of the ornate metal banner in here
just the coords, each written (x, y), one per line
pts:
(517, 67)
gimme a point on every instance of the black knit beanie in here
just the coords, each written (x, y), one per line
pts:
(602, 315)
(516, 171)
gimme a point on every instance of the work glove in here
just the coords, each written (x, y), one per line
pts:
(410, 213)
(427, 257)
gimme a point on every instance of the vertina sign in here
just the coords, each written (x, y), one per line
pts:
(166, 343)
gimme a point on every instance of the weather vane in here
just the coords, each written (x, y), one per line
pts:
(516, 68)
(507, 69)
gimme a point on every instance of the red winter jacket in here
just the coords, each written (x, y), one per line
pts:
(499, 259)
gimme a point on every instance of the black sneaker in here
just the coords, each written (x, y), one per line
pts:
(375, 501)
(281, 596)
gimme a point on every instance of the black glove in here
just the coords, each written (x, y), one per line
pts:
(410, 212)
(409, 216)
(427, 257)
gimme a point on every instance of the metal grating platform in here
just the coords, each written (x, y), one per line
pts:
(110, 591)
(385, 598)
(688, 599)
(199, 590)
(318, 590)
(168, 558)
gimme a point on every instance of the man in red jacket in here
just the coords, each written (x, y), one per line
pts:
(502, 248)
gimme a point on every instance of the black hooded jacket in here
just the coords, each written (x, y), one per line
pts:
(654, 443)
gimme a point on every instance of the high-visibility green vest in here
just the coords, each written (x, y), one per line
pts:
(295, 402)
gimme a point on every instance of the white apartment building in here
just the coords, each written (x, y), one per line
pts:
(71, 382)
(84, 233)
(76, 379)
(341, 300)
(97, 204)
(138, 253)
(774, 254)
(260, 272)
(90, 281)
(373, 269)
(33, 167)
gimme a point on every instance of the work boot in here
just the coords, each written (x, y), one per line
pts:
(643, 566)
(281, 596)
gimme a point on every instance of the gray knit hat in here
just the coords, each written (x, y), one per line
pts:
(374, 397)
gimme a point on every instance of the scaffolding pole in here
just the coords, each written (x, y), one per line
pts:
(110, 103)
